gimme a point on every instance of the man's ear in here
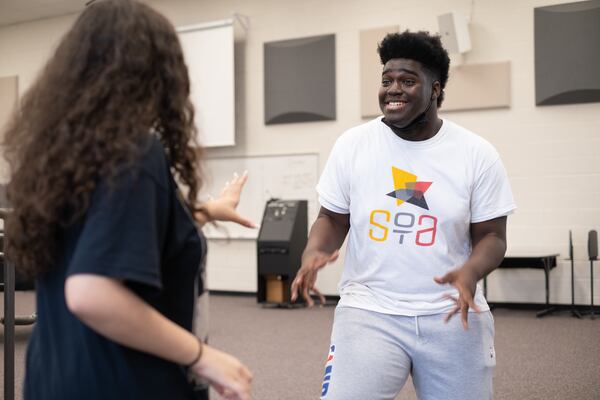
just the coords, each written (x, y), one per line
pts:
(436, 90)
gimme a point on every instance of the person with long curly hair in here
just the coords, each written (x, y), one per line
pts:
(96, 149)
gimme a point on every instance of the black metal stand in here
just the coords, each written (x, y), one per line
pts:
(574, 311)
(592, 289)
(542, 261)
(9, 320)
(591, 310)
(549, 309)
(9, 331)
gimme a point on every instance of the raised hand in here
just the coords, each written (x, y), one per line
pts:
(223, 208)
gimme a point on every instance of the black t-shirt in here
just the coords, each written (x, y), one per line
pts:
(136, 230)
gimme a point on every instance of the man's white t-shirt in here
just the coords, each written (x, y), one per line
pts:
(410, 205)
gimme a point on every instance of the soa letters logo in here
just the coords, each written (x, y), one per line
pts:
(406, 190)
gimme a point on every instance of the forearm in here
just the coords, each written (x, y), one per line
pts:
(326, 235)
(115, 312)
(486, 255)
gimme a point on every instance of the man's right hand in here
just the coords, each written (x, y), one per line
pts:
(307, 275)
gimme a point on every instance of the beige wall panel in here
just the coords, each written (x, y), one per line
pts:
(370, 69)
(8, 101)
(476, 86)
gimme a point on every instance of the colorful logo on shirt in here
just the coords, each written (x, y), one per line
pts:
(408, 189)
(406, 226)
(328, 370)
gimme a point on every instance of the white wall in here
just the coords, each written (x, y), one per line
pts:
(25, 48)
(551, 152)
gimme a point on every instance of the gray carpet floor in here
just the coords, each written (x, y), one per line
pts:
(553, 358)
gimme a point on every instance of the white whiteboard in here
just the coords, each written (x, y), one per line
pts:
(208, 50)
(289, 177)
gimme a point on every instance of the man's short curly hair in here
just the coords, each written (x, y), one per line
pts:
(419, 46)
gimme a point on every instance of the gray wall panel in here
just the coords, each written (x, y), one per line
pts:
(300, 80)
(567, 53)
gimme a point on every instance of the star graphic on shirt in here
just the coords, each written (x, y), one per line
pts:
(407, 189)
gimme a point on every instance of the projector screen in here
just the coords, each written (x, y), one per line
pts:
(208, 52)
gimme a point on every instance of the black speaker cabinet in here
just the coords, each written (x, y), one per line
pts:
(281, 241)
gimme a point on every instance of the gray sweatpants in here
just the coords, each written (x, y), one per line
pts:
(371, 355)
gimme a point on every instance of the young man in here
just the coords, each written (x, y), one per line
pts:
(424, 204)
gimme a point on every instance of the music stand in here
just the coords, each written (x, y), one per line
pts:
(593, 256)
(574, 311)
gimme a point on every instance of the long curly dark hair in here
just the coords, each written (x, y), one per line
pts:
(115, 77)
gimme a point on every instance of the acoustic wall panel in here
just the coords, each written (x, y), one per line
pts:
(567, 53)
(209, 54)
(8, 102)
(370, 69)
(300, 80)
(477, 86)
(8, 99)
